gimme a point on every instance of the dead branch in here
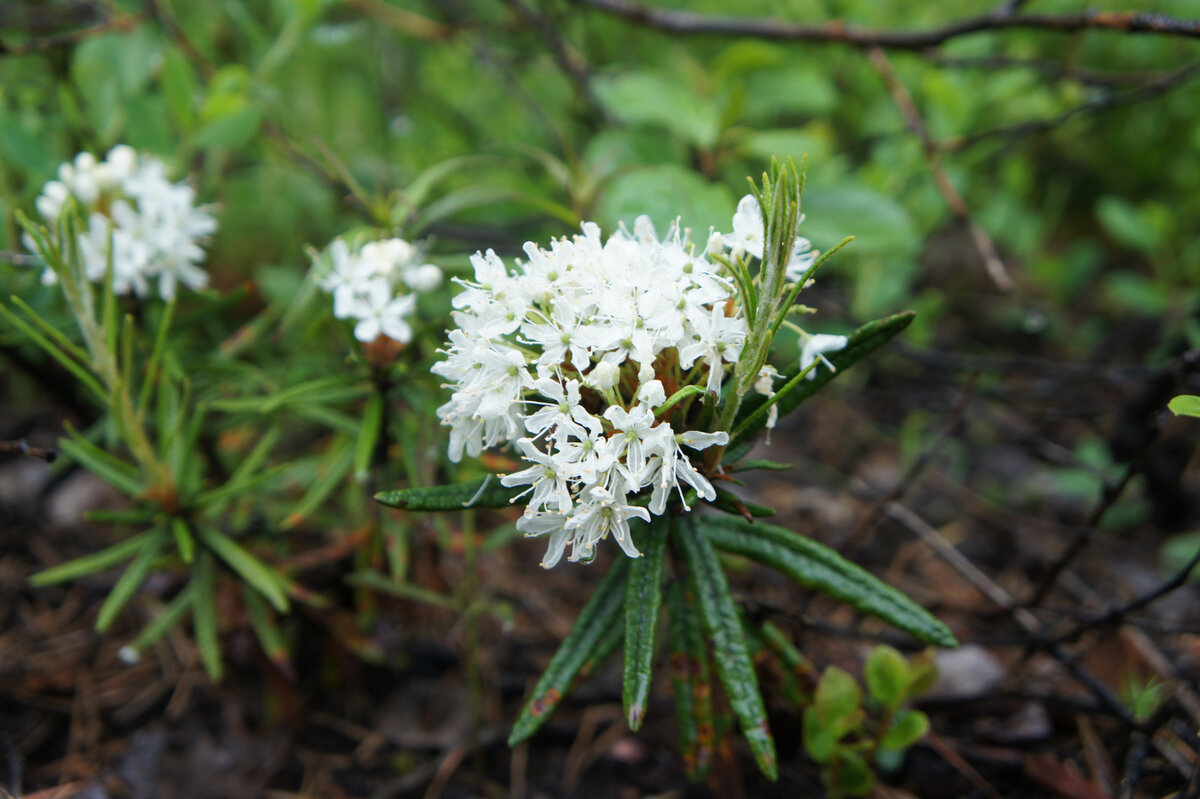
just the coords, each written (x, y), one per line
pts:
(840, 32)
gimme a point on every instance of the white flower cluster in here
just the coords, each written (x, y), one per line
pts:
(374, 284)
(154, 227)
(569, 356)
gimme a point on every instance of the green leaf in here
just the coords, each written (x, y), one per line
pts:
(1185, 405)
(484, 493)
(762, 463)
(820, 739)
(837, 697)
(854, 776)
(368, 436)
(588, 632)
(253, 571)
(681, 394)
(691, 682)
(270, 637)
(728, 643)
(164, 621)
(339, 460)
(888, 676)
(57, 353)
(657, 99)
(731, 503)
(130, 581)
(863, 342)
(908, 727)
(184, 541)
(376, 581)
(204, 617)
(643, 598)
(665, 193)
(817, 566)
(90, 564)
(109, 468)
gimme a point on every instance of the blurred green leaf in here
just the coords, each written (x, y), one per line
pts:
(484, 493)
(651, 98)
(665, 193)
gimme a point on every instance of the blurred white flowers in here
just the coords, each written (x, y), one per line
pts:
(374, 284)
(150, 229)
(568, 357)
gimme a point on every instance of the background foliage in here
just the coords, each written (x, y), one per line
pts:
(481, 123)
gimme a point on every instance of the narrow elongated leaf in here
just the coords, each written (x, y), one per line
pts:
(691, 681)
(368, 436)
(120, 474)
(213, 499)
(763, 463)
(57, 353)
(266, 628)
(125, 516)
(339, 460)
(184, 541)
(90, 564)
(580, 645)
(163, 622)
(130, 581)
(863, 342)
(732, 503)
(817, 566)
(253, 570)
(484, 493)
(728, 643)
(376, 581)
(204, 616)
(643, 598)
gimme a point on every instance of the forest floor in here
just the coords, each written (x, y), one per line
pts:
(1025, 499)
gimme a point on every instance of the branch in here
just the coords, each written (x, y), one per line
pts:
(123, 22)
(958, 206)
(837, 31)
(1149, 91)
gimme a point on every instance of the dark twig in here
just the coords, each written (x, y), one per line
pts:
(42, 44)
(1047, 67)
(1108, 497)
(22, 447)
(1139, 746)
(1105, 102)
(1118, 614)
(840, 32)
(957, 414)
(569, 60)
(958, 206)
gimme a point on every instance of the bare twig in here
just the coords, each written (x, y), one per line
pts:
(958, 206)
(43, 44)
(22, 448)
(839, 32)
(1105, 102)
(569, 60)
(957, 414)
(1025, 619)
(1047, 67)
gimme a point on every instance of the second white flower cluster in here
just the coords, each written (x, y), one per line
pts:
(376, 285)
(137, 220)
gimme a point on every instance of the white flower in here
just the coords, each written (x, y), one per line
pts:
(815, 347)
(373, 285)
(137, 220)
(566, 358)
